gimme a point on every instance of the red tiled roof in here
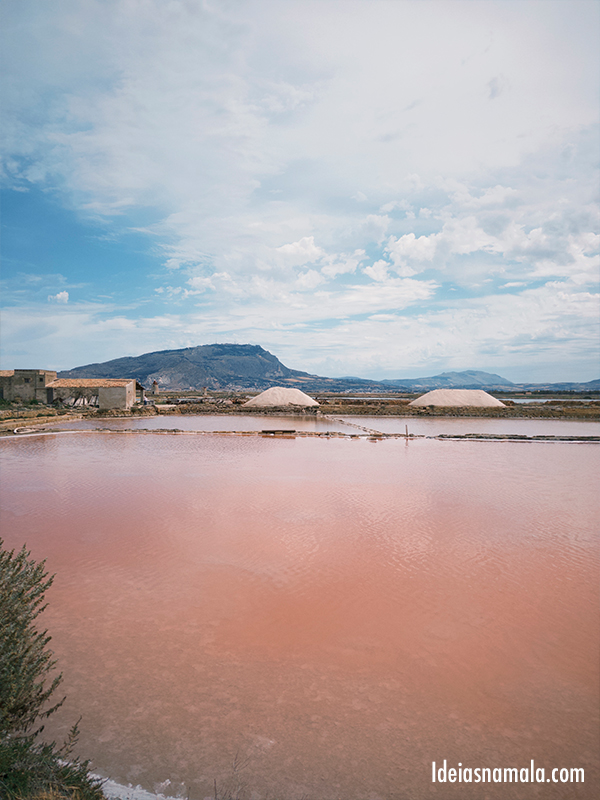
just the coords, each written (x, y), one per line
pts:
(88, 383)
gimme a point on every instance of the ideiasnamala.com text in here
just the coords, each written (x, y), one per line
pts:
(530, 774)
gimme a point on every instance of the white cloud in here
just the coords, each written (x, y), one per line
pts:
(201, 284)
(309, 280)
(373, 228)
(514, 335)
(518, 335)
(378, 271)
(186, 114)
(61, 297)
(408, 246)
(342, 264)
(234, 137)
(304, 251)
(463, 236)
(409, 249)
(393, 204)
(491, 196)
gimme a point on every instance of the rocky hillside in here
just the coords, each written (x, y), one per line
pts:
(246, 366)
(216, 366)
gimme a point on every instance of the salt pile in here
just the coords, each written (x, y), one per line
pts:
(279, 396)
(451, 398)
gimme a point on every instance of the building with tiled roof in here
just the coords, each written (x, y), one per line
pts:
(43, 386)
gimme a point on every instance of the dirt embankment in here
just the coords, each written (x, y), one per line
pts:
(19, 417)
(11, 418)
(560, 409)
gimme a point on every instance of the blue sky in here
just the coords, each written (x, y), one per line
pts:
(382, 188)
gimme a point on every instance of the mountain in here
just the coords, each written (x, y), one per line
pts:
(469, 379)
(589, 386)
(246, 366)
(216, 366)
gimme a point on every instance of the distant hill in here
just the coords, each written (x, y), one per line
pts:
(590, 386)
(469, 379)
(216, 366)
(246, 366)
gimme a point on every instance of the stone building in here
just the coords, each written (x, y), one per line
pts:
(25, 384)
(105, 393)
(42, 385)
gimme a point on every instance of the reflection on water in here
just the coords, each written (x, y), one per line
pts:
(426, 426)
(542, 400)
(317, 618)
(433, 426)
(212, 422)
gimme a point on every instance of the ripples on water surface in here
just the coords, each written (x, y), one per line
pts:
(339, 614)
(433, 426)
(213, 422)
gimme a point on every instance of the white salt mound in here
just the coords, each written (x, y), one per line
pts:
(458, 397)
(281, 396)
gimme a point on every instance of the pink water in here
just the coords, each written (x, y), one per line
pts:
(423, 426)
(433, 426)
(212, 422)
(318, 619)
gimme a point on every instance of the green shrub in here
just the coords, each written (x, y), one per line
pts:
(29, 767)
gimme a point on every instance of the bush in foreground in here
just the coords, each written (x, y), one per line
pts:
(29, 768)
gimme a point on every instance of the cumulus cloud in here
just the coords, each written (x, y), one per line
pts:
(201, 284)
(409, 254)
(409, 246)
(234, 137)
(309, 279)
(378, 271)
(342, 264)
(465, 235)
(513, 334)
(304, 251)
(60, 297)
